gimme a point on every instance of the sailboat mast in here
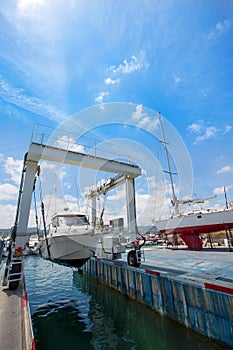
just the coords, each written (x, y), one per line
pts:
(225, 193)
(175, 200)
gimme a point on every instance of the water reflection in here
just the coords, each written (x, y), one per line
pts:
(120, 323)
(73, 311)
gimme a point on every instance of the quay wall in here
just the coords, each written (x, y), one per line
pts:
(16, 331)
(204, 307)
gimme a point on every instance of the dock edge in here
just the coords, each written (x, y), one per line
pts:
(200, 305)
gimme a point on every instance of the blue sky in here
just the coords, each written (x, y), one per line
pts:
(60, 57)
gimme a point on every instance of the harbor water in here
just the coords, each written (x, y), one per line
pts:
(73, 311)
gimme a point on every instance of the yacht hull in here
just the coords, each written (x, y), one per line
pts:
(190, 226)
(69, 249)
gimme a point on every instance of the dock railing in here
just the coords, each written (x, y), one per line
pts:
(66, 140)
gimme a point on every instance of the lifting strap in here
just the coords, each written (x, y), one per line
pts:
(45, 231)
(37, 223)
(44, 222)
(103, 209)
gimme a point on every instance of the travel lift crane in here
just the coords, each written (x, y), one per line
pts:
(135, 255)
(40, 151)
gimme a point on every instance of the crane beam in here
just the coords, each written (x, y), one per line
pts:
(39, 151)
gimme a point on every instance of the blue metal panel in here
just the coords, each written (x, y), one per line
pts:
(103, 277)
(209, 312)
(148, 296)
(170, 294)
(110, 267)
(134, 284)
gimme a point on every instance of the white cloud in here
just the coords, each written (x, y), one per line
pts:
(110, 81)
(227, 129)
(195, 127)
(152, 182)
(17, 97)
(220, 190)
(100, 98)
(138, 114)
(51, 176)
(220, 28)
(24, 5)
(13, 168)
(203, 133)
(69, 198)
(209, 133)
(137, 63)
(225, 169)
(68, 143)
(143, 120)
(8, 191)
(7, 215)
(176, 79)
(127, 67)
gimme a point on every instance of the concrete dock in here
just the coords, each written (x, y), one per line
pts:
(15, 320)
(210, 264)
(193, 288)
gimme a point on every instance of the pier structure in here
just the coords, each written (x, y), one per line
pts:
(201, 302)
(16, 329)
(40, 151)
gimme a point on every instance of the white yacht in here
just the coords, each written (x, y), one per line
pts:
(192, 224)
(71, 240)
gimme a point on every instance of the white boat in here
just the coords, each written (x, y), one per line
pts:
(189, 226)
(6, 245)
(71, 240)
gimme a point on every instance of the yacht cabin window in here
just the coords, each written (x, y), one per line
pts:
(69, 220)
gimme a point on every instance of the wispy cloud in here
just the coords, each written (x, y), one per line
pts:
(225, 169)
(17, 97)
(195, 127)
(100, 97)
(8, 191)
(136, 63)
(32, 33)
(143, 120)
(68, 143)
(220, 28)
(8, 214)
(13, 169)
(209, 133)
(24, 5)
(139, 113)
(110, 81)
(177, 79)
(227, 129)
(220, 190)
(203, 133)
(127, 67)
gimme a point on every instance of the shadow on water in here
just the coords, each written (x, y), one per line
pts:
(121, 323)
(74, 311)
